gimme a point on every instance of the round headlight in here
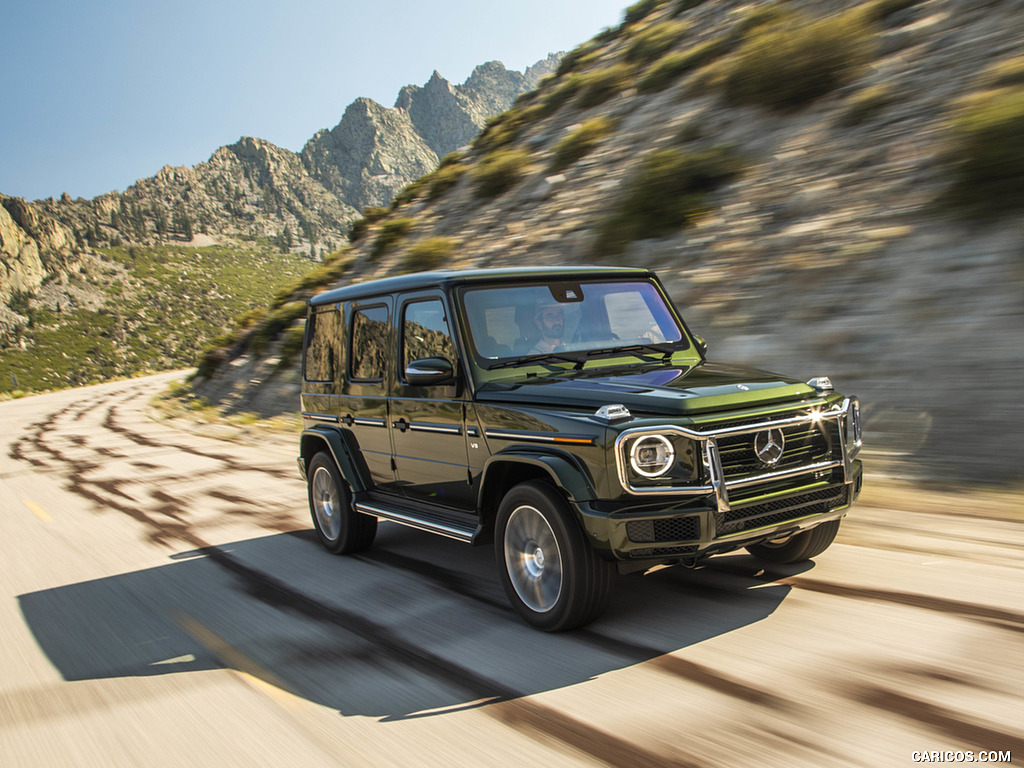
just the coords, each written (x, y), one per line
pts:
(652, 456)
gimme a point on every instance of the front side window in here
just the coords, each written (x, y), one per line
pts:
(574, 319)
(324, 345)
(425, 332)
(369, 343)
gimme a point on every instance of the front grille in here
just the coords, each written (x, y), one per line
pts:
(805, 444)
(669, 529)
(781, 510)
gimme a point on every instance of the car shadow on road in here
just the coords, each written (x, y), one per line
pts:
(414, 627)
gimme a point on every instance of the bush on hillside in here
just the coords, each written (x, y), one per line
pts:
(500, 171)
(640, 10)
(866, 104)
(581, 141)
(391, 232)
(654, 41)
(685, 5)
(667, 193)
(443, 179)
(1003, 74)
(670, 68)
(428, 254)
(597, 86)
(787, 65)
(371, 215)
(987, 152)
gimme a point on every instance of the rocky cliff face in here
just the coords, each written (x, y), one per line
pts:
(32, 246)
(303, 201)
(802, 208)
(374, 151)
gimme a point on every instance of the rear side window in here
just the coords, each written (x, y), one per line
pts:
(369, 343)
(324, 346)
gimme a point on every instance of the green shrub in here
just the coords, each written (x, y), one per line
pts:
(877, 10)
(581, 141)
(452, 158)
(668, 192)
(786, 65)
(390, 233)
(408, 193)
(673, 66)
(578, 58)
(370, 216)
(443, 179)
(429, 254)
(1003, 74)
(987, 152)
(598, 86)
(763, 14)
(291, 346)
(640, 10)
(866, 104)
(275, 322)
(685, 5)
(500, 171)
(654, 41)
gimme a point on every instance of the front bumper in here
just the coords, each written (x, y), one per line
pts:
(670, 529)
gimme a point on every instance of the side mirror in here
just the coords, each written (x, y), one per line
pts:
(430, 370)
(702, 344)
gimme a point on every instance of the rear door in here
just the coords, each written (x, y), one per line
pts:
(364, 407)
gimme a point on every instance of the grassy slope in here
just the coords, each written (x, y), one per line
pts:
(173, 301)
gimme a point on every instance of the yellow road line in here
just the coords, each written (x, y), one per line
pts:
(38, 511)
(257, 676)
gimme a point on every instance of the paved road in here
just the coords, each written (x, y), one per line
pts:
(163, 602)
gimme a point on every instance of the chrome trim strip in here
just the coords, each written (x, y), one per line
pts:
(414, 522)
(365, 422)
(415, 426)
(472, 432)
(530, 437)
(320, 416)
(785, 473)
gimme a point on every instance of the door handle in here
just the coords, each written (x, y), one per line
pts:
(347, 420)
(401, 425)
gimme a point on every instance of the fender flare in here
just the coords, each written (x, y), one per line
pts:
(564, 472)
(320, 438)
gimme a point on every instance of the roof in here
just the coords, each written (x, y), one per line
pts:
(449, 277)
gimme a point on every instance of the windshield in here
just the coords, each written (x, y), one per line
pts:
(571, 322)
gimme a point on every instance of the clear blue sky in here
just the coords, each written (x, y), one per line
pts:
(97, 94)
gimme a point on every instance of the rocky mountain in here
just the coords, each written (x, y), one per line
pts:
(252, 189)
(826, 188)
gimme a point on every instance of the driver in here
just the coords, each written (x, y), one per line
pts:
(550, 321)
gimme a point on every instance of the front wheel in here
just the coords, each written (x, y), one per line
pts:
(551, 575)
(339, 527)
(799, 546)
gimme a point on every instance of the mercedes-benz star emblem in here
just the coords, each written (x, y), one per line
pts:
(768, 446)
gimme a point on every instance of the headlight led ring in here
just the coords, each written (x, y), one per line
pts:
(652, 456)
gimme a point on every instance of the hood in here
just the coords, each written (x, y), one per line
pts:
(674, 390)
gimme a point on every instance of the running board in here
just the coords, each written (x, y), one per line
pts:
(421, 521)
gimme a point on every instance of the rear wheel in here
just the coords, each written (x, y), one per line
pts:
(339, 527)
(799, 546)
(551, 575)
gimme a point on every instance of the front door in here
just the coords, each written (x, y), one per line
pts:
(428, 425)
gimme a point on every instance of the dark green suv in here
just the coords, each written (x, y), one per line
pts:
(570, 417)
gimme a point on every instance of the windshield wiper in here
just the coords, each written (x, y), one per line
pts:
(666, 351)
(544, 357)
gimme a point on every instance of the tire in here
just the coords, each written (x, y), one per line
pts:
(799, 547)
(339, 527)
(553, 578)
